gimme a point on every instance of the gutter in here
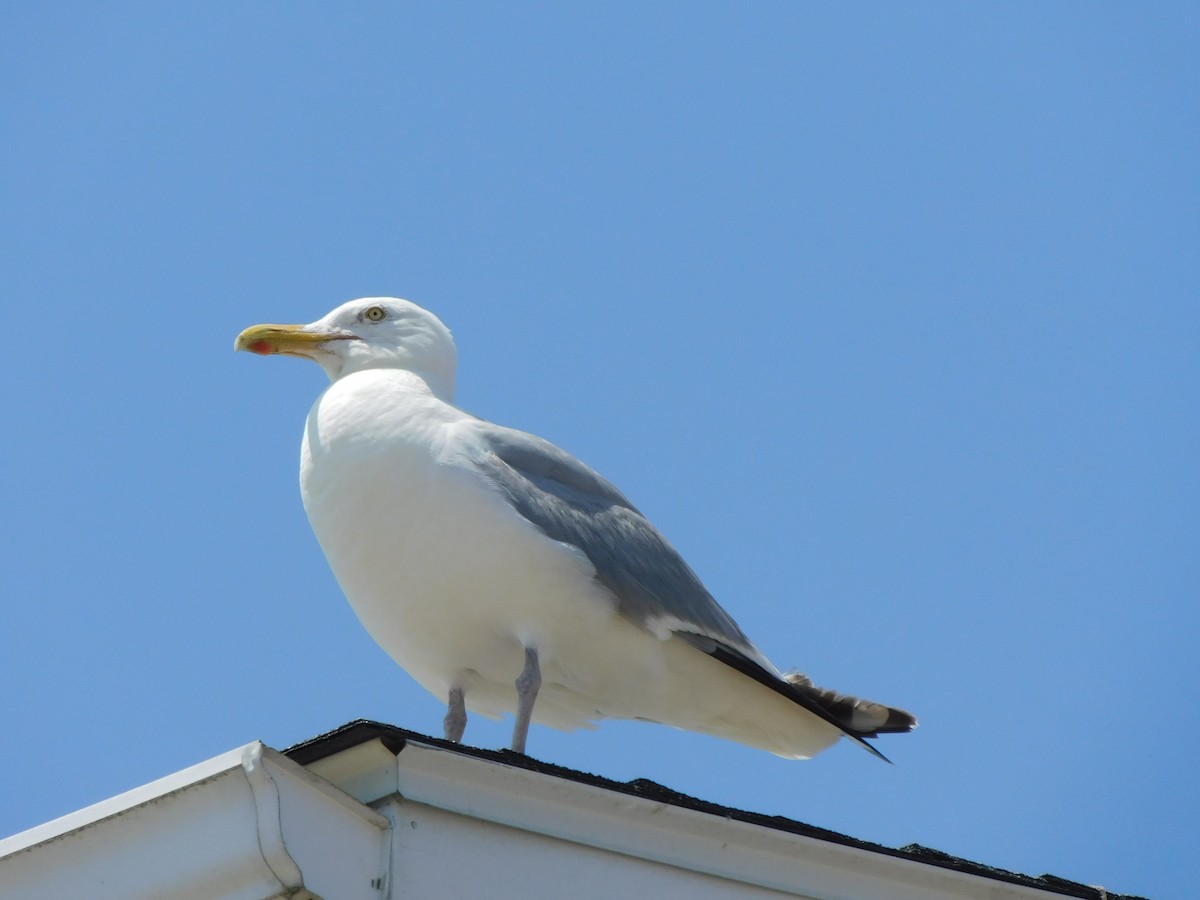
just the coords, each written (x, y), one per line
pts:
(249, 823)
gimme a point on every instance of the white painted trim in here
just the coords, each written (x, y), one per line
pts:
(249, 824)
(652, 830)
(270, 823)
(123, 803)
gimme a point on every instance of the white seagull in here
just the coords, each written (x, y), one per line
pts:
(505, 575)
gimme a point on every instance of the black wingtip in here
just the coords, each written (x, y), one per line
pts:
(836, 709)
(869, 747)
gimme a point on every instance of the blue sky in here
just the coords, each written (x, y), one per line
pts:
(886, 315)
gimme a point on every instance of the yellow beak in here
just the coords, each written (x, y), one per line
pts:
(294, 340)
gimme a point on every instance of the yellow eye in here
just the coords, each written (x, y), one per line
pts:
(375, 314)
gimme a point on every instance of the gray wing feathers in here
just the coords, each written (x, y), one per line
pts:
(654, 587)
(535, 457)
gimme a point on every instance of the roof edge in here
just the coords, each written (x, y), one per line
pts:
(395, 739)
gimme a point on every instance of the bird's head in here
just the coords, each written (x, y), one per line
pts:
(371, 333)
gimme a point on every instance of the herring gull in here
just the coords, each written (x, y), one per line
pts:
(505, 575)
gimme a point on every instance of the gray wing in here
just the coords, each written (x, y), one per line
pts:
(654, 587)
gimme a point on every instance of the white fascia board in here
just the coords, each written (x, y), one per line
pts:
(366, 771)
(246, 825)
(649, 829)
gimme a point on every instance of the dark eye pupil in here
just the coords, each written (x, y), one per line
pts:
(375, 314)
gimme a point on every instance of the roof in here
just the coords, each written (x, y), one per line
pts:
(395, 740)
(370, 811)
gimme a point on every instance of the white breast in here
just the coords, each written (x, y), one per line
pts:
(441, 571)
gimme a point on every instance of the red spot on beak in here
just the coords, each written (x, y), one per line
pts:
(262, 348)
